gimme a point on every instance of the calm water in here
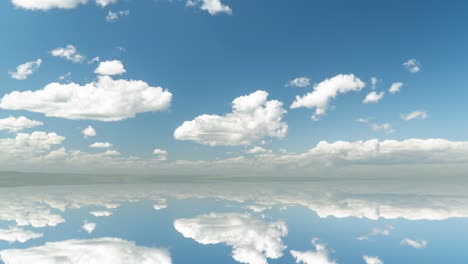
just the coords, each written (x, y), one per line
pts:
(334, 221)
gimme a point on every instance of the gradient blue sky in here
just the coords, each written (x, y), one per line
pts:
(206, 61)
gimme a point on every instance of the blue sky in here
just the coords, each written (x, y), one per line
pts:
(206, 60)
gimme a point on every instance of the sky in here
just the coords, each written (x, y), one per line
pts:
(192, 87)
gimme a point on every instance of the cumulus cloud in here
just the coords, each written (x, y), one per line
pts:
(35, 143)
(161, 154)
(252, 119)
(412, 66)
(418, 244)
(213, 7)
(362, 120)
(395, 87)
(101, 145)
(256, 150)
(13, 124)
(114, 16)
(372, 260)
(418, 114)
(89, 132)
(101, 213)
(299, 82)
(113, 67)
(253, 241)
(89, 227)
(15, 234)
(327, 90)
(24, 70)
(373, 97)
(104, 3)
(68, 52)
(104, 99)
(319, 256)
(101, 250)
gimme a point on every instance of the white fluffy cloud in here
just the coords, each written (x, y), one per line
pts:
(93, 251)
(412, 65)
(373, 97)
(114, 16)
(253, 241)
(252, 119)
(14, 234)
(51, 4)
(24, 70)
(104, 3)
(299, 82)
(395, 87)
(14, 124)
(68, 52)
(418, 114)
(256, 150)
(89, 132)
(372, 260)
(213, 7)
(113, 67)
(29, 144)
(101, 213)
(418, 244)
(160, 153)
(101, 145)
(89, 227)
(319, 256)
(104, 99)
(327, 90)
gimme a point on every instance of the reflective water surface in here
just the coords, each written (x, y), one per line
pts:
(422, 220)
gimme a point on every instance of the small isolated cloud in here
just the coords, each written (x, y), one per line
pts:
(15, 234)
(116, 251)
(114, 67)
(372, 260)
(318, 256)
(253, 241)
(418, 244)
(382, 232)
(362, 120)
(327, 90)
(101, 213)
(68, 52)
(374, 82)
(104, 100)
(24, 70)
(101, 145)
(385, 127)
(395, 87)
(114, 16)
(65, 77)
(373, 97)
(416, 115)
(160, 154)
(213, 7)
(361, 238)
(93, 60)
(13, 124)
(104, 3)
(89, 132)
(252, 119)
(89, 227)
(412, 65)
(299, 82)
